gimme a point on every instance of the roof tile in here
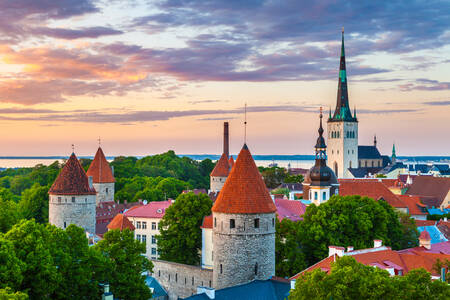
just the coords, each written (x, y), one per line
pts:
(99, 169)
(222, 168)
(120, 222)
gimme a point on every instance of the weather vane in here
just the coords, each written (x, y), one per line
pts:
(73, 148)
(99, 141)
(245, 123)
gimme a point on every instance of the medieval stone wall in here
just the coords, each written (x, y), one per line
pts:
(245, 252)
(68, 209)
(216, 183)
(179, 280)
(105, 192)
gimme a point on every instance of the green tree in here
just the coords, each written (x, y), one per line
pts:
(9, 214)
(180, 234)
(293, 178)
(273, 176)
(278, 191)
(20, 183)
(127, 264)
(289, 257)
(8, 294)
(30, 243)
(11, 268)
(34, 203)
(348, 221)
(349, 279)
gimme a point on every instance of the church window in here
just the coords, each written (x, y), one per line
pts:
(338, 152)
(256, 269)
(73, 199)
(324, 196)
(215, 222)
(232, 223)
(315, 196)
(256, 223)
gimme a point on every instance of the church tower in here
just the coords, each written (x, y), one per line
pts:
(220, 172)
(342, 128)
(103, 177)
(243, 227)
(72, 198)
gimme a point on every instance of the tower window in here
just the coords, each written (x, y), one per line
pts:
(315, 195)
(192, 280)
(221, 270)
(256, 269)
(215, 222)
(59, 199)
(257, 223)
(73, 199)
(106, 190)
(85, 200)
(64, 224)
(176, 277)
(324, 196)
(232, 223)
(159, 273)
(273, 222)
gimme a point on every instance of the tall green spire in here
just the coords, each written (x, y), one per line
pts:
(342, 111)
(393, 151)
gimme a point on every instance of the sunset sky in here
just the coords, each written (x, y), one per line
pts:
(149, 76)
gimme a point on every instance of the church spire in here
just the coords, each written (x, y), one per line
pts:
(342, 111)
(321, 147)
(394, 156)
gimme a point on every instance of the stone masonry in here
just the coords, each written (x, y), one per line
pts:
(105, 192)
(70, 209)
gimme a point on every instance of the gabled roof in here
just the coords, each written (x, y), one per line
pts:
(368, 152)
(154, 210)
(99, 169)
(222, 168)
(371, 188)
(72, 180)
(415, 206)
(290, 209)
(244, 192)
(429, 186)
(120, 222)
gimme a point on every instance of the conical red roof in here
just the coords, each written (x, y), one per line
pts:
(99, 169)
(231, 162)
(72, 180)
(244, 191)
(120, 222)
(222, 168)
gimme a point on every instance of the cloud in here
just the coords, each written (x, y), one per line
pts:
(216, 119)
(437, 103)
(70, 34)
(207, 101)
(425, 85)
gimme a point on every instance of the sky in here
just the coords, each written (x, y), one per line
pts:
(149, 76)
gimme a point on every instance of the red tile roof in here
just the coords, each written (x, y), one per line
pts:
(222, 168)
(120, 222)
(72, 180)
(425, 223)
(371, 188)
(207, 222)
(155, 209)
(404, 260)
(291, 209)
(444, 227)
(429, 186)
(244, 192)
(231, 162)
(414, 205)
(99, 169)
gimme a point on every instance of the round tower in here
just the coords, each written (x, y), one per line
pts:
(72, 198)
(103, 177)
(243, 227)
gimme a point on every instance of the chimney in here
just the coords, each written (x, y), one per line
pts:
(350, 248)
(425, 240)
(377, 243)
(226, 147)
(339, 251)
(210, 292)
(91, 182)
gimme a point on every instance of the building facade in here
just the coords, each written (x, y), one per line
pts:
(72, 198)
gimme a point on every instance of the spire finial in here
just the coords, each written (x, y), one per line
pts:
(375, 140)
(245, 123)
(73, 148)
(320, 128)
(342, 29)
(99, 142)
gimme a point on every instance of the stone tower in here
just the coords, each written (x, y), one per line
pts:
(103, 177)
(342, 128)
(320, 182)
(220, 172)
(243, 227)
(72, 198)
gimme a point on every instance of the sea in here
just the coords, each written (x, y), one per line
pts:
(293, 161)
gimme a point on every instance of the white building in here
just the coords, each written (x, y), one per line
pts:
(146, 220)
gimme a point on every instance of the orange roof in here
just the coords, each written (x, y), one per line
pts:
(425, 222)
(244, 192)
(120, 222)
(99, 169)
(222, 167)
(72, 180)
(413, 203)
(407, 261)
(207, 222)
(370, 188)
(231, 162)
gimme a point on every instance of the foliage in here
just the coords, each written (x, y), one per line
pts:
(9, 213)
(350, 221)
(438, 265)
(351, 280)
(438, 217)
(180, 234)
(127, 264)
(11, 267)
(288, 255)
(409, 236)
(34, 203)
(380, 176)
(273, 176)
(280, 191)
(293, 178)
(8, 294)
